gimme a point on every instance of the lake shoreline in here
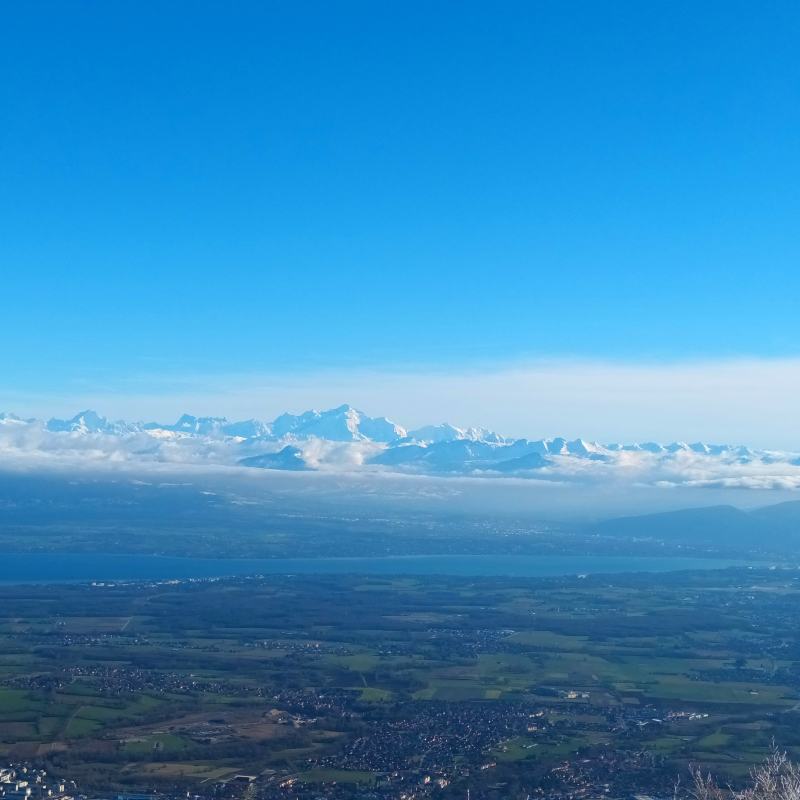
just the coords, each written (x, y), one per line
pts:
(26, 568)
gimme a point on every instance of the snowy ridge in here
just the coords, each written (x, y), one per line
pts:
(346, 439)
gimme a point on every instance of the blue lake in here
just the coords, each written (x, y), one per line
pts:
(73, 567)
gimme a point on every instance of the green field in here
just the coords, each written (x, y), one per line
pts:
(336, 776)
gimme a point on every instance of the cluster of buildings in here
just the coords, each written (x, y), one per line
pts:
(121, 681)
(435, 732)
(25, 783)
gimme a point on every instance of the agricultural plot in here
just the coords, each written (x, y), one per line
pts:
(309, 679)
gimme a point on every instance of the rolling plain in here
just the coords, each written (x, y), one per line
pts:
(313, 684)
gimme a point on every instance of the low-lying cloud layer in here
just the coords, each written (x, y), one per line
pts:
(345, 441)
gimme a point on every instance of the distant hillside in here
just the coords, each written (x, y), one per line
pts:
(776, 526)
(783, 514)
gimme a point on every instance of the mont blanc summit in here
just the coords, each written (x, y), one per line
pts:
(343, 424)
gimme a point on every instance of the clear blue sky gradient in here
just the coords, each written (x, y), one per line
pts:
(212, 186)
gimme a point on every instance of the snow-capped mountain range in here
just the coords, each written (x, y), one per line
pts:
(347, 439)
(343, 424)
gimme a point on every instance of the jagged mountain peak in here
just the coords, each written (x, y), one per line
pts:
(341, 424)
(7, 418)
(447, 433)
(89, 421)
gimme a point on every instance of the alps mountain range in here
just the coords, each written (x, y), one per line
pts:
(347, 439)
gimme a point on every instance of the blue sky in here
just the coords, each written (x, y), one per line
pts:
(206, 188)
